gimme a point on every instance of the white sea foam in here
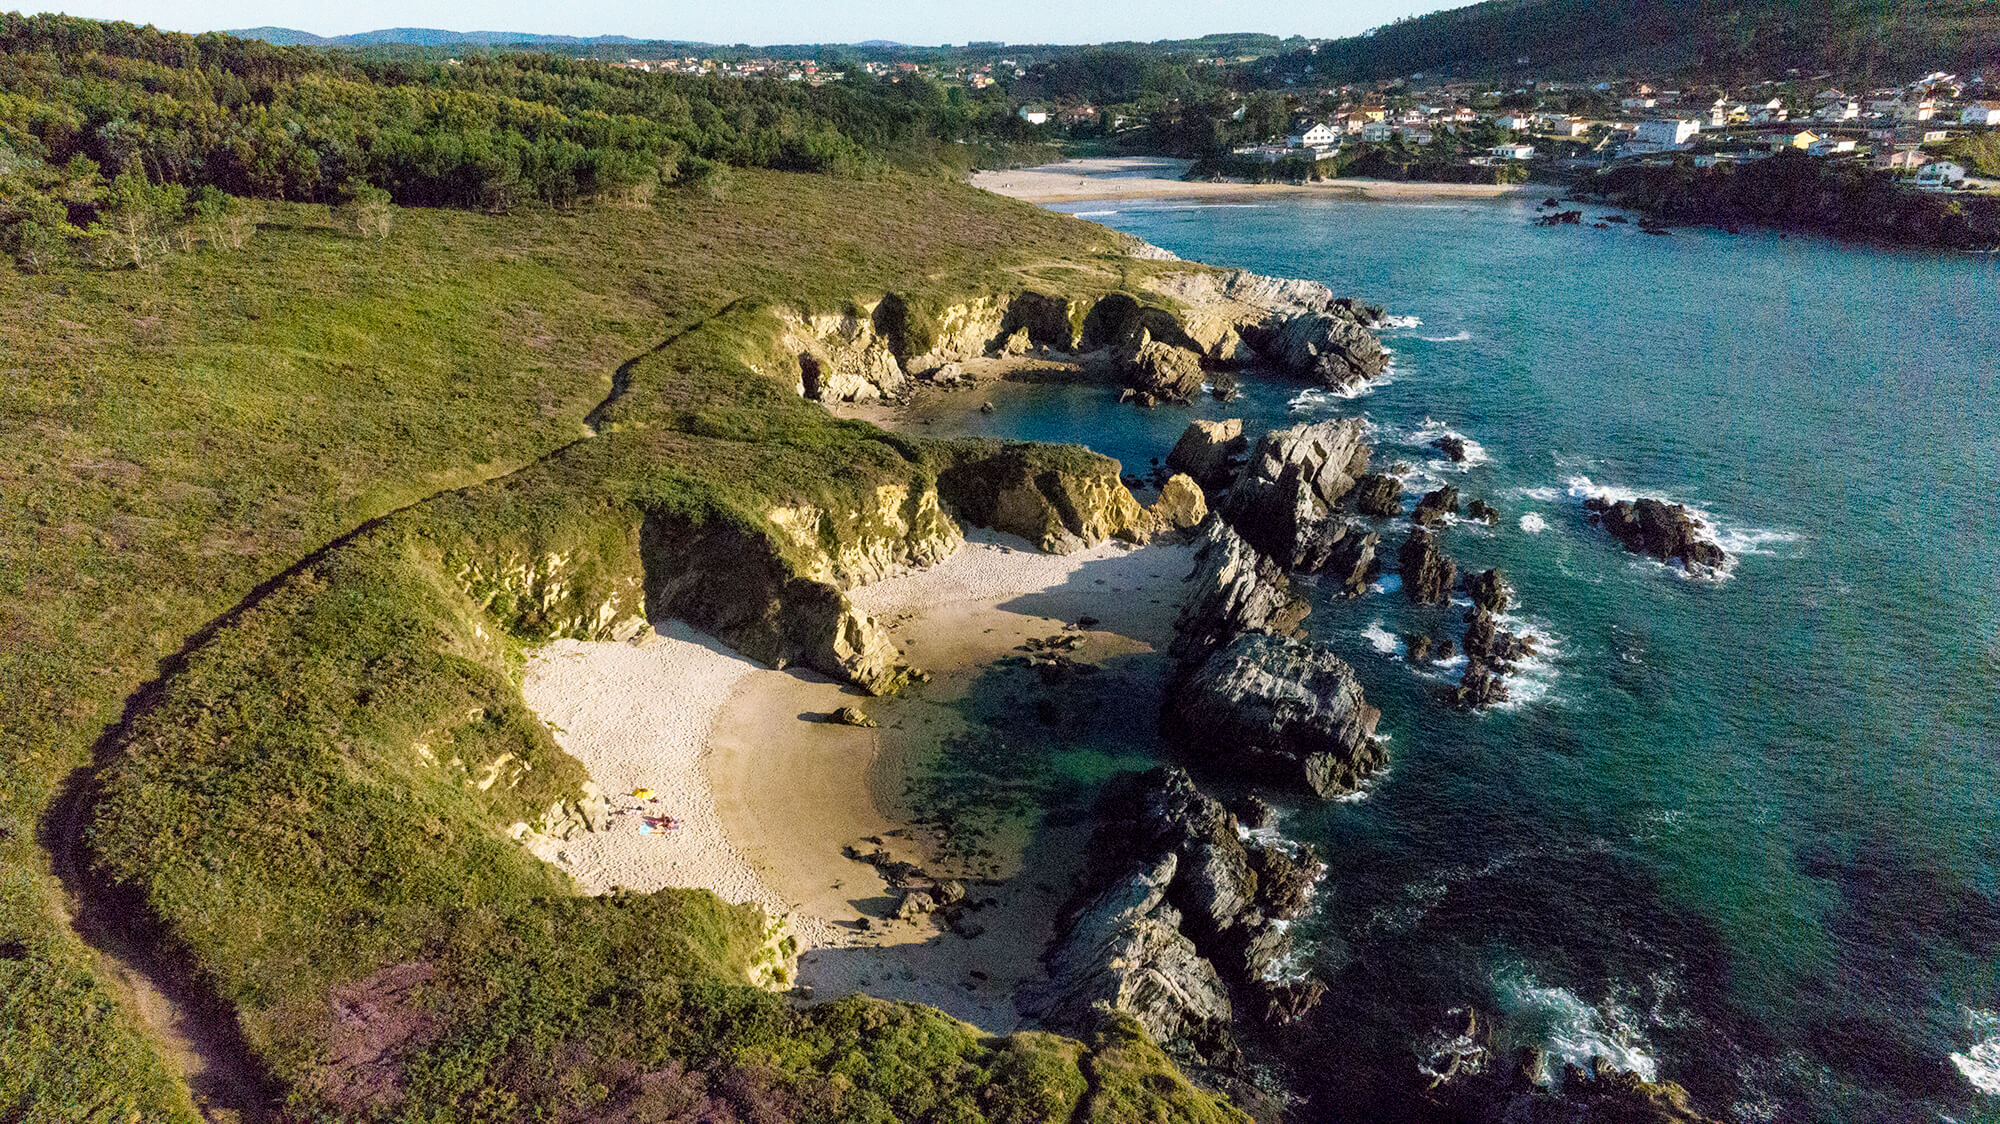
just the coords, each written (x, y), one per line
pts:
(1585, 1035)
(1456, 337)
(1092, 214)
(1433, 430)
(1533, 523)
(1399, 323)
(1542, 495)
(1382, 640)
(1980, 1063)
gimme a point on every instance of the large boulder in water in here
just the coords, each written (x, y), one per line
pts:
(1377, 496)
(1285, 495)
(1279, 707)
(1208, 450)
(1427, 571)
(1489, 590)
(1649, 526)
(1436, 505)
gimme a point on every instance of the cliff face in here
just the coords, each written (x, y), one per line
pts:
(1158, 334)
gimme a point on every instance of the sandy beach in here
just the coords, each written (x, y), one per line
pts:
(1159, 177)
(769, 794)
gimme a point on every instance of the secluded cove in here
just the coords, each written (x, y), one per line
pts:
(1737, 832)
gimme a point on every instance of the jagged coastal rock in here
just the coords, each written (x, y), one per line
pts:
(1233, 590)
(1664, 530)
(1284, 498)
(1209, 451)
(1177, 907)
(1158, 372)
(1435, 507)
(1377, 495)
(1279, 707)
(1428, 573)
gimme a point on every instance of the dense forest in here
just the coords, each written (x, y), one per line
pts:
(1712, 39)
(103, 124)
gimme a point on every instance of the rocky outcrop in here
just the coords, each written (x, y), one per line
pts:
(1176, 911)
(841, 357)
(1233, 590)
(1489, 591)
(1209, 452)
(1482, 512)
(1158, 372)
(1664, 530)
(1181, 507)
(1333, 348)
(1435, 507)
(1279, 707)
(1427, 572)
(1378, 496)
(731, 580)
(1123, 948)
(1453, 447)
(1061, 498)
(1284, 498)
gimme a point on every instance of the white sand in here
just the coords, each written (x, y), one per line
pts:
(638, 715)
(1158, 177)
(674, 710)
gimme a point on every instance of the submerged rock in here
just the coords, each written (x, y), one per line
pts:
(1279, 707)
(1427, 572)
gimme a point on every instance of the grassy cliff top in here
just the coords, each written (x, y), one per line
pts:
(247, 486)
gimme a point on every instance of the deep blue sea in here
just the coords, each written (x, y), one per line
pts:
(1743, 834)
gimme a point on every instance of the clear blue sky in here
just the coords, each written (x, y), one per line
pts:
(783, 21)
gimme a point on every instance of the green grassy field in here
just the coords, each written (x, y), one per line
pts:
(246, 490)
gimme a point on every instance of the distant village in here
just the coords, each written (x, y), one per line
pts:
(1900, 130)
(1892, 129)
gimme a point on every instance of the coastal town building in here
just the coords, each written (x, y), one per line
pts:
(1980, 113)
(1902, 161)
(1667, 134)
(1940, 175)
(1034, 115)
(1317, 135)
(1513, 151)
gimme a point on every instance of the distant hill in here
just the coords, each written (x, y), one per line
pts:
(1708, 38)
(424, 37)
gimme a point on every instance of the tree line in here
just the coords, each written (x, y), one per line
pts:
(87, 106)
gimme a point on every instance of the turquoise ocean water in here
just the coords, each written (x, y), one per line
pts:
(1742, 834)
